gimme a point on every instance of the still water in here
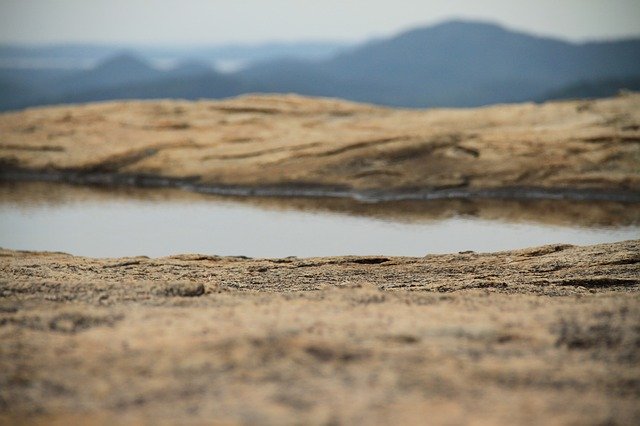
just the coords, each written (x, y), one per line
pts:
(78, 222)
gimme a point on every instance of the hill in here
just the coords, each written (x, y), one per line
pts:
(454, 64)
(291, 145)
(458, 64)
(121, 77)
(592, 89)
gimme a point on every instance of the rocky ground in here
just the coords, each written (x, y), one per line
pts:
(292, 144)
(548, 335)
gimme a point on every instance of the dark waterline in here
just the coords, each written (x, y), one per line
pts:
(116, 180)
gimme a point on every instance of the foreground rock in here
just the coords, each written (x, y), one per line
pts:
(546, 335)
(290, 145)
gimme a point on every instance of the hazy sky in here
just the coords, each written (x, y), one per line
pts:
(249, 21)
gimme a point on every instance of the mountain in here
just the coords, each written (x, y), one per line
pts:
(120, 70)
(45, 86)
(302, 77)
(210, 85)
(123, 76)
(83, 55)
(20, 88)
(454, 64)
(191, 67)
(591, 89)
(462, 64)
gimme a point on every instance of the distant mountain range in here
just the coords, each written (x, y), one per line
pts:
(454, 64)
(87, 55)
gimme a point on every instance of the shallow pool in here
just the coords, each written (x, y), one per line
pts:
(76, 221)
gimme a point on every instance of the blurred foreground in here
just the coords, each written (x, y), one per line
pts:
(537, 336)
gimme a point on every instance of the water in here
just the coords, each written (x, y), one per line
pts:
(117, 225)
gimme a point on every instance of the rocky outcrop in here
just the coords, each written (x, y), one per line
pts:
(544, 335)
(290, 145)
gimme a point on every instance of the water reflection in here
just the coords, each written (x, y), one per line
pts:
(108, 222)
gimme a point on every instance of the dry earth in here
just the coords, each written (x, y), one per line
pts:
(291, 143)
(547, 335)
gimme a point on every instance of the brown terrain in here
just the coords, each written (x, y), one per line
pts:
(539, 336)
(295, 145)
(545, 335)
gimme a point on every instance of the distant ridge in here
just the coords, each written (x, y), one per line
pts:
(468, 64)
(128, 77)
(122, 69)
(452, 64)
(592, 89)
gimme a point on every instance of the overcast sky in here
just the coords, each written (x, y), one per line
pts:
(250, 21)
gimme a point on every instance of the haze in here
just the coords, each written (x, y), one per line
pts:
(251, 21)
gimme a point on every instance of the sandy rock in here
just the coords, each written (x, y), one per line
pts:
(292, 143)
(545, 335)
(541, 335)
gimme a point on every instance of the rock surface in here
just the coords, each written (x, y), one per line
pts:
(547, 335)
(295, 143)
